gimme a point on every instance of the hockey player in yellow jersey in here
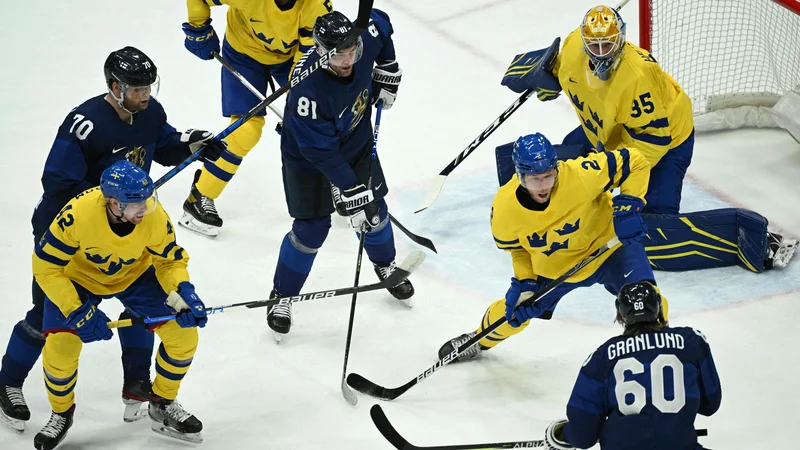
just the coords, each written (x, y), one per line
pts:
(551, 216)
(263, 40)
(115, 240)
(624, 99)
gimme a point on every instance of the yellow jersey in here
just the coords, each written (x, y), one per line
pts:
(80, 247)
(576, 222)
(262, 30)
(639, 106)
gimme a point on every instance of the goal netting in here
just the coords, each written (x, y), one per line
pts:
(735, 58)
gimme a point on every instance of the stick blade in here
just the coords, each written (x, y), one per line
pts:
(387, 430)
(348, 394)
(367, 387)
(436, 188)
(412, 261)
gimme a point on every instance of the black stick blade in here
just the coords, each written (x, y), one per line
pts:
(367, 387)
(387, 430)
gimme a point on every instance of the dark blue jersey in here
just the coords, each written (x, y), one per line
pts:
(91, 138)
(643, 392)
(327, 125)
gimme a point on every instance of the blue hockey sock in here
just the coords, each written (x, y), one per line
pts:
(298, 251)
(24, 348)
(137, 350)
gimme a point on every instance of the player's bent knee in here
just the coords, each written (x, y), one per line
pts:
(179, 343)
(241, 141)
(308, 235)
(60, 354)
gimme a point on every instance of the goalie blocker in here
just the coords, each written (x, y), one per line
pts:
(701, 240)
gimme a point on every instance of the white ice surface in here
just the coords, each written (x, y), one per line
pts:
(251, 393)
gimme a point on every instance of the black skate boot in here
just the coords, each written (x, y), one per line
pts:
(403, 290)
(13, 409)
(200, 213)
(54, 431)
(279, 317)
(170, 419)
(781, 250)
(134, 394)
(457, 342)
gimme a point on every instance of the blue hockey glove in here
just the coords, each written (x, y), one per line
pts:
(628, 223)
(89, 323)
(201, 41)
(198, 138)
(361, 207)
(195, 316)
(516, 316)
(385, 81)
(534, 70)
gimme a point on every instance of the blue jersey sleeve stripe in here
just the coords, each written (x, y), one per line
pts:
(658, 123)
(44, 256)
(305, 33)
(626, 165)
(216, 2)
(166, 251)
(502, 242)
(612, 169)
(661, 141)
(60, 246)
(710, 377)
(304, 48)
(587, 395)
(515, 247)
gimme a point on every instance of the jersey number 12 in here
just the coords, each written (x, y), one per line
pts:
(639, 393)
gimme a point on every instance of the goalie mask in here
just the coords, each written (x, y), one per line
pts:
(603, 35)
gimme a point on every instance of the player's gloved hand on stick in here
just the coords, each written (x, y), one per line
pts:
(198, 138)
(628, 223)
(554, 436)
(336, 195)
(385, 81)
(201, 41)
(515, 315)
(361, 207)
(195, 316)
(89, 323)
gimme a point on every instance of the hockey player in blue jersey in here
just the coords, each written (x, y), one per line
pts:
(643, 389)
(127, 122)
(327, 139)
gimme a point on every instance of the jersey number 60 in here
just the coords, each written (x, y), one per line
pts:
(639, 393)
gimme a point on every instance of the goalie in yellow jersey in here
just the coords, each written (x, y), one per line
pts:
(263, 40)
(115, 240)
(551, 216)
(624, 99)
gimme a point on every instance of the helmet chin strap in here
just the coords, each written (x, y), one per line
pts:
(121, 217)
(120, 100)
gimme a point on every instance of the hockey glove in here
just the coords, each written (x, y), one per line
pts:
(201, 41)
(628, 223)
(336, 195)
(89, 323)
(361, 207)
(385, 81)
(534, 70)
(195, 316)
(554, 436)
(198, 138)
(517, 315)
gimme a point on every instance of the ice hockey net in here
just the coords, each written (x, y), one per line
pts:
(734, 58)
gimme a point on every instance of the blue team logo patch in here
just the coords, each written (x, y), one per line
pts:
(101, 260)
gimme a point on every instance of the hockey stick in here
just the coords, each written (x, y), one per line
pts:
(419, 240)
(364, 10)
(438, 184)
(399, 442)
(406, 268)
(367, 387)
(348, 393)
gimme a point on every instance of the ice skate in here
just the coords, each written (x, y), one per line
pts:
(200, 212)
(781, 250)
(403, 290)
(457, 342)
(14, 411)
(135, 394)
(279, 317)
(54, 431)
(168, 418)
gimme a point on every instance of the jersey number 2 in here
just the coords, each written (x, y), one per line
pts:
(639, 393)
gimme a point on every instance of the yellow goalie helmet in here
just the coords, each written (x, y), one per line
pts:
(603, 34)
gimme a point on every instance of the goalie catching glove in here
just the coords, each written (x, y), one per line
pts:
(361, 207)
(534, 70)
(385, 81)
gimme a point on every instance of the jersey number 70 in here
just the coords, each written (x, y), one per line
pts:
(624, 389)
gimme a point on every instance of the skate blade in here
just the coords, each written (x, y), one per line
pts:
(160, 428)
(277, 336)
(408, 303)
(189, 222)
(784, 253)
(134, 411)
(15, 424)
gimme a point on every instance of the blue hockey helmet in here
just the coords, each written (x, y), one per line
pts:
(638, 302)
(129, 184)
(534, 154)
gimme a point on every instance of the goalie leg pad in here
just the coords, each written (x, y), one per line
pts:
(707, 239)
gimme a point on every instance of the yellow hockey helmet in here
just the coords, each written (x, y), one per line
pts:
(603, 34)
